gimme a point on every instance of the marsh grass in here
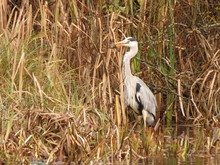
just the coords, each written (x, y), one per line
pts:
(62, 88)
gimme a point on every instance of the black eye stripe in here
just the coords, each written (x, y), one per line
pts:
(131, 39)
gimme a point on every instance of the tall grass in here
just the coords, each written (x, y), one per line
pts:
(62, 89)
(171, 72)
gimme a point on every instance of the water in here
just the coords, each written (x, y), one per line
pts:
(194, 133)
(173, 160)
(202, 147)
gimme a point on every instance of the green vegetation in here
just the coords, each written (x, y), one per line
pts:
(61, 83)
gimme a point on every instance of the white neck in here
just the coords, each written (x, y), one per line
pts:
(126, 69)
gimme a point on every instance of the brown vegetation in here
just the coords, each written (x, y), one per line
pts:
(61, 80)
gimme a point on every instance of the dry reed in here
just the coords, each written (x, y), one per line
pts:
(61, 84)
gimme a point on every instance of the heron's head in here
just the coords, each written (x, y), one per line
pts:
(128, 42)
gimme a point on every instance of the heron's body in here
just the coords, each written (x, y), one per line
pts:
(137, 95)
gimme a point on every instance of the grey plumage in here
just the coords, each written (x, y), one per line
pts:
(137, 94)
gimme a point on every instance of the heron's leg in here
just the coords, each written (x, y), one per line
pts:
(144, 114)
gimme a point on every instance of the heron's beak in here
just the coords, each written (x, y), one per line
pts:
(121, 43)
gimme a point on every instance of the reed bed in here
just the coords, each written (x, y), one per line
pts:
(61, 86)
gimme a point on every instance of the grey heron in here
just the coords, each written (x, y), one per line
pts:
(137, 94)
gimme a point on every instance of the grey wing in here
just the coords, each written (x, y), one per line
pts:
(145, 97)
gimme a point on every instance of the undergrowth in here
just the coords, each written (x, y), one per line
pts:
(61, 83)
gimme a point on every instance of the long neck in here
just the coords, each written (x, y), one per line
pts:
(126, 69)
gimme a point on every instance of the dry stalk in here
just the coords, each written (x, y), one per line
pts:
(58, 76)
